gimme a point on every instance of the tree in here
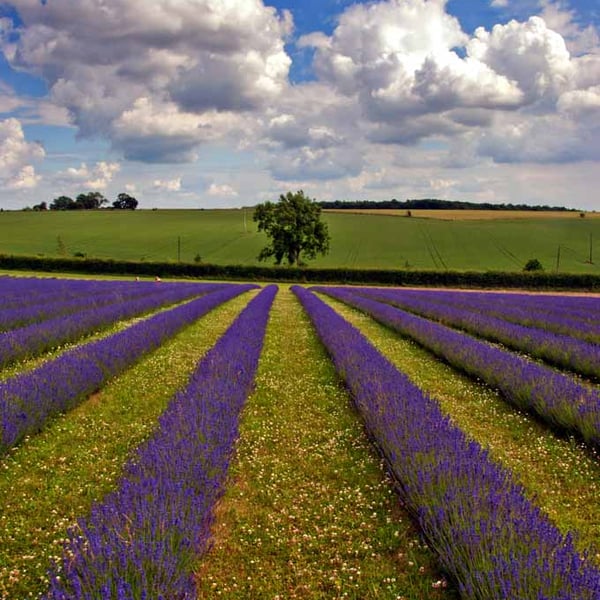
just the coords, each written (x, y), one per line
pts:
(294, 227)
(90, 201)
(125, 202)
(62, 203)
(533, 264)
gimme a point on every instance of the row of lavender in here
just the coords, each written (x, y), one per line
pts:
(63, 299)
(143, 540)
(22, 291)
(557, 349)
(27, 400)
(492, 540)
(576, 316)
(37, 337)
(557, 398)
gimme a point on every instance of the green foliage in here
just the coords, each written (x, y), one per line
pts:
(91, 200)
(487, 279)
(62, 203)
(125, 202)
(294, 227)
(533, 264)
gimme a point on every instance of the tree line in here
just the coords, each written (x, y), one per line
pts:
(87, 201)
(433, 204)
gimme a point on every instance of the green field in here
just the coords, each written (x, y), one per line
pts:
(357, 240)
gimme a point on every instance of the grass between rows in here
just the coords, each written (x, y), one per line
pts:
(561, 474)
(309, 512)
(52, 478)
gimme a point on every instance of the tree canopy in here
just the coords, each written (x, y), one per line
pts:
(92, 201)
(294, 227)
(125, 202)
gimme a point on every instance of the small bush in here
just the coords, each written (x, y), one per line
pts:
(533, 264)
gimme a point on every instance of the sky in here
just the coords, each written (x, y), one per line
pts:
(228, 103)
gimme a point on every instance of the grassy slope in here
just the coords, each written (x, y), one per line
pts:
(358, 241)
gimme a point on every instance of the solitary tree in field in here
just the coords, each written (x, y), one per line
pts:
(294, 227)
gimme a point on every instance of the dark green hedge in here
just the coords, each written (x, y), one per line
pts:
(484, 279)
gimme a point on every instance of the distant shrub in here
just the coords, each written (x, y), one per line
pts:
(533, 264)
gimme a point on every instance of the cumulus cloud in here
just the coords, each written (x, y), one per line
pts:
(529, 53)
(25, 179)
(559, 17)
(398, 58)
(308, 163)
(107, 63)
(222, 190)
(160, 79)
(167, 185)
(16, 156)
(97, 177)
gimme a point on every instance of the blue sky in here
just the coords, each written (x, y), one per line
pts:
(224, 103)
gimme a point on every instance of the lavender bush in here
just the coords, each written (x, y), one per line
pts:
(557, 349)
(36, 338)
(489, 537)
(29, 399)
(576, 316)
(144, 539)
(557, 398)
(89, 297)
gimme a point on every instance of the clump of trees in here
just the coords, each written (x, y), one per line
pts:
(89, 201)
(294, 228)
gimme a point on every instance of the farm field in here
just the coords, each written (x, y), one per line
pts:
(303, 508)
(505, 242)
(469, 215)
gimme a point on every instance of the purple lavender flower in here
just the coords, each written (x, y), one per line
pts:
(557, 398)
(35, 338)
(488, 536)
(558, 349)
(144, 539)
(29, 399)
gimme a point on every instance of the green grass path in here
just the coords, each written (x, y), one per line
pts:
(309, 512)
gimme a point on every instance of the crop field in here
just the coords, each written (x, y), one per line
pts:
(468, 214)
(567, 243)
(221, 440)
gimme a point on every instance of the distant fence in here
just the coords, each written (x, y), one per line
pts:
(407, 277)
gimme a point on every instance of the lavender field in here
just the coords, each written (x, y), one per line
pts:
(199, 440)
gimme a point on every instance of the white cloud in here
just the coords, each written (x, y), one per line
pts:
(97, 178)
(108, 62)
(403, 98)
(222, 190)
(530, 54)
(167, 185)
(559, 17)
(26, 178)
(16, 156)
